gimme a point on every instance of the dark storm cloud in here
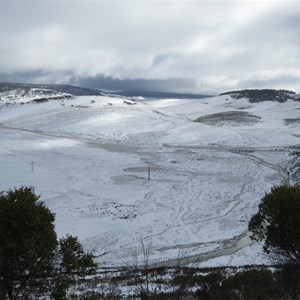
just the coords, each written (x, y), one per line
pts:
(113, 84)
(101, 82)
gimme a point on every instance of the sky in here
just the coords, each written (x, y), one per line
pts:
(170, 46)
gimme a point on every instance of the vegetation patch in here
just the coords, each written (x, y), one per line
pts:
(249, 282)
(292, 121)
(231, 118)
(264, 95)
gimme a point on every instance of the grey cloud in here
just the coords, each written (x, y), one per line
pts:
(162, 58)
(282, 81)
(272, 30)
(280, 27)
(102, 82)
(148, 44)
(38, 76)
(113, 84)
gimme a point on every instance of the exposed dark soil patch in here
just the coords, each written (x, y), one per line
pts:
(232, 118)
(292, 121)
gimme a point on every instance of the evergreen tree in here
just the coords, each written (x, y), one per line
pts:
(277, 224)
(27, 242)
(32, 261)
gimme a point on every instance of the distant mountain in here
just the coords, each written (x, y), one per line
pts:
(155, 95)
(264, 95)
(68, 89)
(80, 91)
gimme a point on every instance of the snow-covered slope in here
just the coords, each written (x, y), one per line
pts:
(31, 95)
(211, 160)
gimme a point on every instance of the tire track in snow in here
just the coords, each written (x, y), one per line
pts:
(240, 242)
(183, 210)
(283, 173)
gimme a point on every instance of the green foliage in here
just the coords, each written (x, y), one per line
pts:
(277, 223)
(28, 241)
(255, 95)
(32, 261)
(74, 261)
(59, 290)
(70, 261)
(289, 278)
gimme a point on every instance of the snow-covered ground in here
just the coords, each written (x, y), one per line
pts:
(25, 95)
(89, 160)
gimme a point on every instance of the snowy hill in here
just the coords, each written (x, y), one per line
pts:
(62, 88)
(211, 160)
(31, 95)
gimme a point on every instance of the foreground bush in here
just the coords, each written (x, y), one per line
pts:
(32, 261)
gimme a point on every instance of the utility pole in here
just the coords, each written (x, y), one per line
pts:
(32, 166)
(148, 173)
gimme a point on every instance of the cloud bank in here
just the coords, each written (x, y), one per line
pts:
(169, 46)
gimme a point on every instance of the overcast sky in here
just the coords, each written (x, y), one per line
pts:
(183, 46)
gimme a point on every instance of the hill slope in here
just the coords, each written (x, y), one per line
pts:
(89, 160)
(68, 89)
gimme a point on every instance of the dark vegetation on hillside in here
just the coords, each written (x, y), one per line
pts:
(264, 95)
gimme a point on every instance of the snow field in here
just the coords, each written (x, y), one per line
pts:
(89, 162)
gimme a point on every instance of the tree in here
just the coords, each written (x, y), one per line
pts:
(277, 224)
(31, 259)
(71, 261)
(74, 261)
(27, 240)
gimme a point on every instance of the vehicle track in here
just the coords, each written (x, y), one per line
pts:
(236, 243)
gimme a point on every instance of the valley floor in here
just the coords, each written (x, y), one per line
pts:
(90, 161)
